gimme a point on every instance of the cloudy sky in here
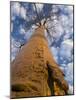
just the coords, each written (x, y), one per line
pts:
(60, 27)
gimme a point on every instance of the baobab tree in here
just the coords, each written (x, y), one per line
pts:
(34, 72)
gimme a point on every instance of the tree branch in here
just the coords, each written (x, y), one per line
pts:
(36, 11)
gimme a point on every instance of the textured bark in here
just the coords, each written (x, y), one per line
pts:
(34, 72)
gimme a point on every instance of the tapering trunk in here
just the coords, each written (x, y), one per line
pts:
(34, 72)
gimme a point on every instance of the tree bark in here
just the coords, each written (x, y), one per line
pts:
(34, 71)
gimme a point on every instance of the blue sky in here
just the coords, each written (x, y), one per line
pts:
(60, 26)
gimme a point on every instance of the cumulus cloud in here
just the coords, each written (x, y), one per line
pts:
(14, 48)
(22, 30)
(64, 55)
(29, 33)
(54, 8)
(68, 42)
(39, 7)
(67, 47)
(17, 10)
(69, 73)
(67, 22)
(23, 12)
(57, 31)
(70, 91)
(63, 23)
(55, 28)
(55, 52)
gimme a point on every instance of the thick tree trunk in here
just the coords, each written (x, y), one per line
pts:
(34, 72)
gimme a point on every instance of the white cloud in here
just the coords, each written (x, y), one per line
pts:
(55, 52)
(67, 35)
(63, 24)
(55, 27)
(68, 42)
(22, 30)
(34, 26)
(12, 17)
(23, 12)
(66, 9)
(68, 70)
(15, 8)
(29, 33)
(69, 73)
(64, 20)
(67, 22)
(39, 7)
(58, 31)
(54, 8)
(70, 91)
(66, 50)
(14, 48)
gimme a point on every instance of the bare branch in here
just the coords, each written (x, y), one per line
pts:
(36, 12)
